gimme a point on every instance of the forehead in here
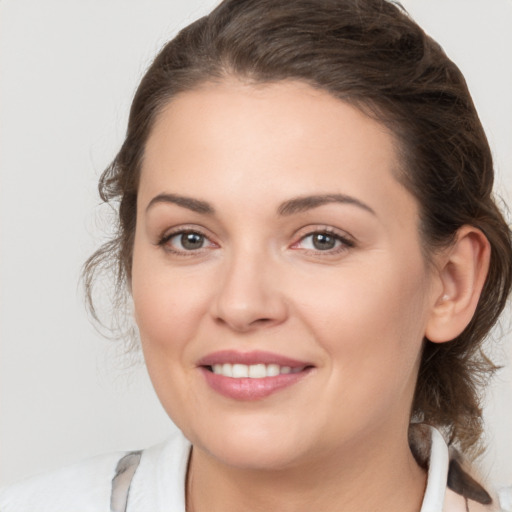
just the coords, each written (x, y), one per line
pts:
(279, 114)
(277, 139)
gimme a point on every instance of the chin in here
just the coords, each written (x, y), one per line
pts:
(255, 457)
(253, 448)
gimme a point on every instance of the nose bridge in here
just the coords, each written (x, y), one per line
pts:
(248, 291)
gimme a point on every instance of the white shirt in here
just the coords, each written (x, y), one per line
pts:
(159, 484)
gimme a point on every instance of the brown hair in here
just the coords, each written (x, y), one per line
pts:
(370, 54)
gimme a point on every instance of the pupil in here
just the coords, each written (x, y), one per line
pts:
(322, 241)
(191, 241)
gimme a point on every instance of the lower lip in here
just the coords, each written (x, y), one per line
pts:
(251, 389)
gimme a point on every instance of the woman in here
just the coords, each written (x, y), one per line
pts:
(307, 230)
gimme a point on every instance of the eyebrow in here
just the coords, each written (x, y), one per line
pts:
(290, 207)
(196, 205)
(304, 203)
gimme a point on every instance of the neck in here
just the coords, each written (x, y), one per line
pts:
(380, 476)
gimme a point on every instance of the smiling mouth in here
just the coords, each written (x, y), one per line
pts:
(254, 375)
(253, 371)
(249, 382)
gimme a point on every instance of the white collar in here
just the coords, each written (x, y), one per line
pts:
(437, 474)
(159, 482)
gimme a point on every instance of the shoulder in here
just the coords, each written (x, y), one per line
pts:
(156, 483)
(87, 483)
(159, 482)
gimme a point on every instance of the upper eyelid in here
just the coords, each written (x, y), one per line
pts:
(172, 235)
(330, 233)
(311, 230)
(345, 242)
(168, 233)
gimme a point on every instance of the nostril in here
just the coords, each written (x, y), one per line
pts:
(242, 324)
(262, 321)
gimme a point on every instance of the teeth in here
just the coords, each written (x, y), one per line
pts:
(257, 371)
(253, 371)
(240, 370)
(227, 370)
(273, 370)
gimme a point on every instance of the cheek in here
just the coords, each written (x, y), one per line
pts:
(167, 312)
(371, 322)
(166, 306)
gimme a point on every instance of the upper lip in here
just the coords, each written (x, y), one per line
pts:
(249, 358)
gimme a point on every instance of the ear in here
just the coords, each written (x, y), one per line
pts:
(462, 270)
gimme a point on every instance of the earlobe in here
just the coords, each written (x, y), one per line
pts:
(462, 271)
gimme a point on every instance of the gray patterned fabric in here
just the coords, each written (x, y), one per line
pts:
(125, 470)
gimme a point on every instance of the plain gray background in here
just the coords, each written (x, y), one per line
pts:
(68, 71)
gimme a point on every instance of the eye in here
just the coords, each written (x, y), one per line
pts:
(320, 242)
(188, 241)
(323, 241)
(185, 241)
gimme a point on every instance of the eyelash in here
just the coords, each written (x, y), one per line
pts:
(344, 242)
(165, 239)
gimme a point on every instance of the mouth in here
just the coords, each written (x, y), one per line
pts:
(253, 371)
(251, 376)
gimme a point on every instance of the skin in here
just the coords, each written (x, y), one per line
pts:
(357, 313)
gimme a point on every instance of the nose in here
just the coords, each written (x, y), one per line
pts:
(249, 294)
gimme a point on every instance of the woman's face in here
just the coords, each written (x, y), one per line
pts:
(278, 279)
